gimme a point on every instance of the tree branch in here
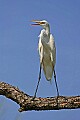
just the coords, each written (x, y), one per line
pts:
(26, 102)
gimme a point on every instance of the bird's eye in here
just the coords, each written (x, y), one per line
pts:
(42, 22)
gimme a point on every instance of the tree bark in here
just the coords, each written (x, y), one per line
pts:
(26, 102)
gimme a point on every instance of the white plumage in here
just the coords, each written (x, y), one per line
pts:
(47, 52)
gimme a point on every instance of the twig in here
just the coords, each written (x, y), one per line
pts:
(27, 102)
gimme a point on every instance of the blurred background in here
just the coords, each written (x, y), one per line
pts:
(19, 59)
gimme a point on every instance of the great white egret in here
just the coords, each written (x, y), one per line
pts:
(47, 52)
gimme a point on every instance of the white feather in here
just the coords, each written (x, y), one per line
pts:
(47, 52)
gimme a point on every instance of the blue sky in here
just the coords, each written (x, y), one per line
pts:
(19, 59)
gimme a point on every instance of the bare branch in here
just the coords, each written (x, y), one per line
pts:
(26, 101)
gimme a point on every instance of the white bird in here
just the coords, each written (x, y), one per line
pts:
(47, 52)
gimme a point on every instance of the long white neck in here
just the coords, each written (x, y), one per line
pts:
(48, 30)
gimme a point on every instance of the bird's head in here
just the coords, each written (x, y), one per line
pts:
(42, 23)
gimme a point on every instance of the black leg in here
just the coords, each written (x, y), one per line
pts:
(56, 84)
(38, 82)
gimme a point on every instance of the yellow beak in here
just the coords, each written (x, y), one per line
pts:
(36, 22)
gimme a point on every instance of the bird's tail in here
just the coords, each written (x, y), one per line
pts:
(48, 71)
